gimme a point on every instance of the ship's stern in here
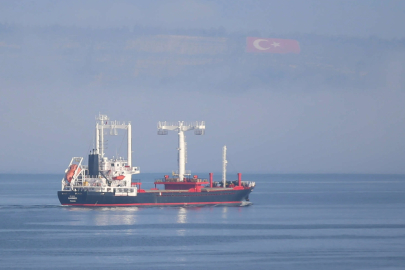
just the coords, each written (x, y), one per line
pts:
(72, 197)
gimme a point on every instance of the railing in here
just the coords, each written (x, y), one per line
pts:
(188, 180)
(186, 172)
(86, 188)
(163, 124)
(125, 190)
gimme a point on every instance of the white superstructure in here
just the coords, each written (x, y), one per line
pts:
(181, 127)
(103, 174)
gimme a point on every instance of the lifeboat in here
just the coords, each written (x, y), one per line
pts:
(71, 172)
(119, 177)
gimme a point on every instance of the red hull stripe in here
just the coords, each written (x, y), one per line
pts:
(131, 204)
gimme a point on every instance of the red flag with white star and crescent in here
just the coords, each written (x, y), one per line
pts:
(272, 45)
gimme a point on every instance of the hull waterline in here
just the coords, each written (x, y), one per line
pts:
(91, 199)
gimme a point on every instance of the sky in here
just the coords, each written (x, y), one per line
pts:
(353, 18)
(293, 128)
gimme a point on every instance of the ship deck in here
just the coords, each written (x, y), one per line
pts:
(185, 191)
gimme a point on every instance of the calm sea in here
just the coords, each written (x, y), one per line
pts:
(295, 222)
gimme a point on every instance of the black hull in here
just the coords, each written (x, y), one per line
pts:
(86, 198)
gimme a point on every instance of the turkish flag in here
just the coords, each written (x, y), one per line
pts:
(272, 45)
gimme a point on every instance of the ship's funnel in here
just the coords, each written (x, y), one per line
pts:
(93, 164)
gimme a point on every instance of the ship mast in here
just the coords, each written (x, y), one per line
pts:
(224, 162)
(181, 127)
(103, 122)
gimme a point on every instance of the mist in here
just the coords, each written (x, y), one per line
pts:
(336, 107)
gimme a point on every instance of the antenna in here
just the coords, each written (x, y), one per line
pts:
(181, 127)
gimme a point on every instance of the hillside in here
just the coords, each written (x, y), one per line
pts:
(193, 58)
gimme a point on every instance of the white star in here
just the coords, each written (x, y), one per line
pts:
(275, 44)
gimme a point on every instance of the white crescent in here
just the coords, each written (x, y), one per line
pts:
(256, 43)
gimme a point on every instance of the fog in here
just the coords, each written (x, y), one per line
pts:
(336, 107)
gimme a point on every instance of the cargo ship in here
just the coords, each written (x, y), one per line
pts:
(109, 182)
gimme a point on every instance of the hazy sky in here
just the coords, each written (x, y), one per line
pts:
(268, 129)
(354, 18)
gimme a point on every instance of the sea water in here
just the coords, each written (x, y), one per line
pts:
(294, 222)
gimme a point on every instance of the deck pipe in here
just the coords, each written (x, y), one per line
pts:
(239, 179)
(211, 179)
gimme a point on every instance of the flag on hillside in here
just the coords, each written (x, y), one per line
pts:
(272, 45)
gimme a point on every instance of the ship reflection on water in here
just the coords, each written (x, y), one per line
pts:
(181, 219)
(119, 216)
(182, 215)
(127, 216)
(105, 216)
(224, 212)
